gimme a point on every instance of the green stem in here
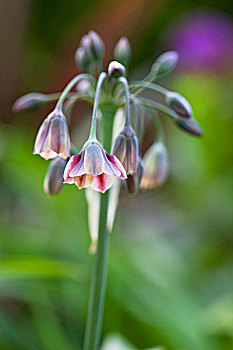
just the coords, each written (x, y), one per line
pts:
(67, 89)
(99, 277)
(141, 85)
(124, 81)
(159, 107)
(100, 82)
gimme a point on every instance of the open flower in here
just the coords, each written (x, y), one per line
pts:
(94, 167)
(53, 137)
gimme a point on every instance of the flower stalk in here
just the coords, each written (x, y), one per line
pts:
(99, 276)
(101, 163)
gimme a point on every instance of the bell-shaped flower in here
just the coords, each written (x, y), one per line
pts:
(125, 148)
(156, 166)
(93, 167)
(53, 137)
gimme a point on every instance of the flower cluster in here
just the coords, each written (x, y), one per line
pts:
(94, 166)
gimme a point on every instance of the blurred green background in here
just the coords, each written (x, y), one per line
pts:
(170, 277)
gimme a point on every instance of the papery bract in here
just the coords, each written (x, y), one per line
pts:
(94, 167)
(53, 137)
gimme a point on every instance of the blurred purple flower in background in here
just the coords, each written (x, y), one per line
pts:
(204, 40)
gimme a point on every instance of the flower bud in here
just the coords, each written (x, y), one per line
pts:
(97, 44)
(133, 181)
(29, 102)
(84, 86)
(190, 126)
(54, 178)
(165, 63)
(82, 59)
(86, 43)
(178, 104)
(156, 166)
(122, 51)
(115, 69)
(125, 148)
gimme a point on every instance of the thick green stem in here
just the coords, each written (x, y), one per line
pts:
(99, 277)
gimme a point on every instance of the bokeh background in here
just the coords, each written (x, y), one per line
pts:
(170, 277)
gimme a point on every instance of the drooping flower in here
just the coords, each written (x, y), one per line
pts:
(94, 167)
(156, 166)
(125, 148)
(53, 137)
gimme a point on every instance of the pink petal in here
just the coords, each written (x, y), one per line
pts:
(109, 168)
(116, 163)
(48, 154)
(69, 166)
(94, 159)
(70, 180)
(41, 136)
(102, 182)
(83, 181)
(133, 161)
(55, 134)
(78, 168)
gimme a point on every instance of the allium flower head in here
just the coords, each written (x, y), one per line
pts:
(94, 167)
(53, 137)
(125, 147)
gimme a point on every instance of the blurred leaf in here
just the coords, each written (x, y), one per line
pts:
(38, 267)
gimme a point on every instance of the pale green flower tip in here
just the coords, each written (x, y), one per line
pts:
(165, 63)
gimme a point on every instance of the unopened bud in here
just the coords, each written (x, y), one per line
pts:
(190, 126)
(133, 181)
(115, 69)
(86, 42)
(156, 166)
(97, 44)
(82, 59)
(165, 63)
(122, 51)
(84, 86)
(125, 148)
(178, 104)
(29, 102)
(54, 178)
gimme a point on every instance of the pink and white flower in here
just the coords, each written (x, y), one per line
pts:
(53, 137)
(93, 167)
